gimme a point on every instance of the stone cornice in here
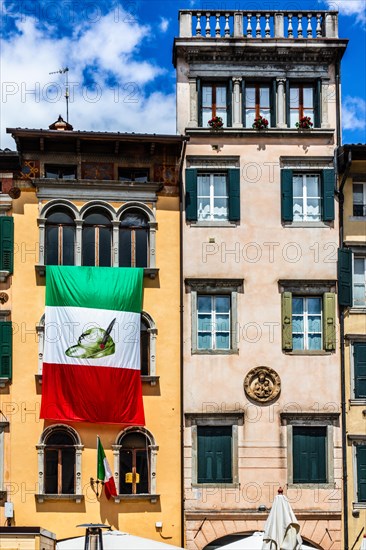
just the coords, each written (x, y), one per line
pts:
(315, 134)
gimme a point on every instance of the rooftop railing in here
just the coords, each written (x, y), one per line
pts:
(258, 24)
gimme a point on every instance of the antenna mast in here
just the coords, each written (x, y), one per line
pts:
(65, 71)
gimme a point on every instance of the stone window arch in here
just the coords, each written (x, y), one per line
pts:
(135, 454)
(59, 464)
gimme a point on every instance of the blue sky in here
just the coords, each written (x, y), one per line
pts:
(119, 56)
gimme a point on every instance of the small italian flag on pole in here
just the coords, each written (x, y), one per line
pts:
(104, 472)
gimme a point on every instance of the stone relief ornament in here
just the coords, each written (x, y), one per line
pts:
(262, 384)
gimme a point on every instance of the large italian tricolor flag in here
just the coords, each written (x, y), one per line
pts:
(91, 362)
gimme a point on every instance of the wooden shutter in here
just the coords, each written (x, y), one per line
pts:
(287, 321)
(229, 103)
(329, 337)
(361, 473)
(243, 103)
(199, 101)
(309, 454)
(345, 291)
(7, 243)
(214, 454)
(273, 102)
(287, 88)
(287, 209)
(317, 103)
(234, 194)
(191, 194)
(6, 341)
(359, 362)
(328, 183)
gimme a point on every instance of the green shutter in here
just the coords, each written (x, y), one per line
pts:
(6, 341)
(361, 473)
(229, 103)
(329, 321)
(345, 297)
(214, 454)
(359, 362)
(287, 88)
(191, 195)
(287, 209)
(7, 243)
(309, 454)
(243, 103)
(199, 101)
(273, 98)
(317, 103)
(328, 182)
(287, 321)
(234, 194)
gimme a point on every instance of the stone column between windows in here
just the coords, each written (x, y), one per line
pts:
(325, 94)
(42, 240)
(281, 123)
(152, 332)
(78, 237)
(152, 255)
(193, 104)
(115, 251)
(40, 450)
(78, 451)
(153, 454)
(237, 123)
(116, 449)
(40, 333)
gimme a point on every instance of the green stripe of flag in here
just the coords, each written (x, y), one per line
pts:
(113, 288)
(100, 461)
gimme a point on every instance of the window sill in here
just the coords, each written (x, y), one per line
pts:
(215, 352)
(77, 498)
(268, 132)
(4, 275)
(357, 218)
(308, 352)
(310, 486)
(213, 223)
(212, 485)
(360, 310)
(4, 382)
(307, 225)
(355, 401)
(152, 380)
(130, 498)
(359, 505)
(150, 272)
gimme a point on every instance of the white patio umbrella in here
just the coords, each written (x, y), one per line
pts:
(254, 542)
(363, 545)
(117, 540)
(281, 530)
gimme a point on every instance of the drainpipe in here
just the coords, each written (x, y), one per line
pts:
(338, 104)
(343, 371)
(181, 283)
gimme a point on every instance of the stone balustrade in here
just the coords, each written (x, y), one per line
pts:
(258, 24)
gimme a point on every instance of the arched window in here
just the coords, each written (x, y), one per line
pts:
(134, 239)
(97, 239)
(60, 237)
(59, 463)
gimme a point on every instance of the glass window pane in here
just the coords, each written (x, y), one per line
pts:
(125, 466)
(141, 237)
(315, 342)
(250, 97)
(97, 218)
(359, 298)
(297, 182)
(312, 186)
(222, 304)
(297, 323)
(313, 209)
(204, 340)
(221, 97)
(294, 117)
(223, 114)
(206, 116)
(88, 246)
(294, 96)
(68, 469)
(60, 217)
(105, 245)
(222, 340)
(357, 193)
(297, 305)
(309, 113)
(314, 305)
(264, 96)
(220, 209)
(51, 245)
(297, 341)
(359, 270)
(204, 304)
(68, 245)
(220, 185)
(222, 322)
(314, 323)
(206, 96)
(124, 248)
(308, 96)
(205, 322)
(203, 185)
(51, 472)
(249, 118)
(265, 113)
(203, 208)
(298, 209)
(142, 469)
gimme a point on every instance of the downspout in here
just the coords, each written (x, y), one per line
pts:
(338, 104)
(343, 370)
(181, 283)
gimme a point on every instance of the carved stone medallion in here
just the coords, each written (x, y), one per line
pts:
(262, 384)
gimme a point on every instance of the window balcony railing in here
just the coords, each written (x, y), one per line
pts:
(258, 24)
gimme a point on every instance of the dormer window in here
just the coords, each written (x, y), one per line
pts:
(60, 171)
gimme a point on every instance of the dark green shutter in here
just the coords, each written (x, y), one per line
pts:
(229, 103)
(7, 243)
(286, 313)
(359, 361)
(243, 103)
(214, 454)
(287, 87)
(287, 209)
(309, 454)
(191, 195)
(345, 297)
(234, 194)
(328, 183)
(199, 101)
(329, 321)
(6, 341)
(317, 103)
(273, 102)
(361, 473)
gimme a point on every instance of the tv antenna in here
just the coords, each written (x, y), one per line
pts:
(65, 71)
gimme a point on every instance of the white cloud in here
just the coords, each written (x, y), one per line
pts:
(105, 52)
(353, 113)
(349, 7)
(164, 24)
